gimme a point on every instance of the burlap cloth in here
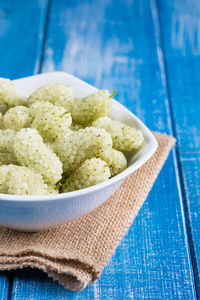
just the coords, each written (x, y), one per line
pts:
(76, 253)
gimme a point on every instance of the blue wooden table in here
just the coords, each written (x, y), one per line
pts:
(150, 51)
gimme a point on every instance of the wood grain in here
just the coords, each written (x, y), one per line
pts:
(4, 285)
(180, 25)
(117, 44)
(21, 36)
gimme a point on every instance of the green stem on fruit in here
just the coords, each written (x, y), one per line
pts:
(66, 112)
(113, 94)
(58, 185)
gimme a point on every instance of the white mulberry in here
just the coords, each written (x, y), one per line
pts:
(118, 162)
(88, 109)
(8, 93)
(76, 146)
(31, 151)
(49, 120)
(91, 172)
(56, 93)
(17, 180)
(17, 117)
(125, 138)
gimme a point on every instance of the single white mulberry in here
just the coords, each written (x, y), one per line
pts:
(76, 146)
(17, 117)
(49, 120)
(91, 172)
(125, 138)
(8, 93)
(32, 152)
(56, 93)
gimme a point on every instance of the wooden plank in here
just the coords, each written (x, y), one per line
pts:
(180, 25)
(4, 285)
(116, 44)
(21, 35)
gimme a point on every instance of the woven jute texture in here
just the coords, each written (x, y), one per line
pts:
(76, 253)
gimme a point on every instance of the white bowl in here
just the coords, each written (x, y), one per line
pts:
(35, 213)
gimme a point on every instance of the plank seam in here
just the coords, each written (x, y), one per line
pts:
(186, 218)
(12, 275)
(11, 278)
(4, 288)
(44, 37)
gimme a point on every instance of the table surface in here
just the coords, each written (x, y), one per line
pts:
(150, 51)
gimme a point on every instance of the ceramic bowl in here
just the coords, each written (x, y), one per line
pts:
(36, 213)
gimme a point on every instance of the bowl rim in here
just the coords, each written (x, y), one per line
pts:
(114, 180)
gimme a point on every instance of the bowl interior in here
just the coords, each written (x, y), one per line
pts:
(27, 85)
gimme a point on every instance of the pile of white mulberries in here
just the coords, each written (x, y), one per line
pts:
(54, 142)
